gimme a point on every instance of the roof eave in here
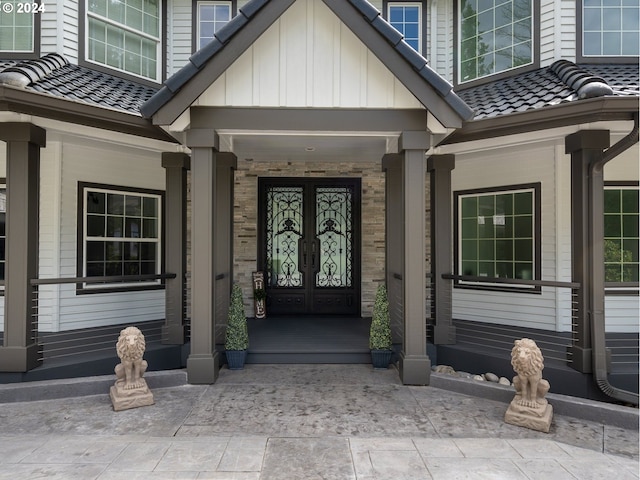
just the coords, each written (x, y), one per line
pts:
(561, 115)
(47, 106)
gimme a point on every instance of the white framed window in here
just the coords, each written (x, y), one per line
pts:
(494, 36)
(406, 17)
(621, 234)
(17, 27)
(610, 28)
(121, 234)
(125, 35)
(212, 16)
(498, 235)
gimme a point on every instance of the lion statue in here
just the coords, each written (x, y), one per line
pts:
(130, 348)
(527, 361)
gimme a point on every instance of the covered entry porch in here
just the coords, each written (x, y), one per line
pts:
(282, 73)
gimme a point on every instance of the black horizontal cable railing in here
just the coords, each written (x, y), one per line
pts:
(623, 348)
(99, 340)
(554, 345)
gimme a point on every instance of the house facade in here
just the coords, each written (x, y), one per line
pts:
(479, 158)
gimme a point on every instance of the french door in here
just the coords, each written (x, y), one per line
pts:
(309, 245)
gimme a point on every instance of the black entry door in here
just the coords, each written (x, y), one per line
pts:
(309, 245)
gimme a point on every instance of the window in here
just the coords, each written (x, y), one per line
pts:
(498, 234)
(621, 238)
(125, 35)
(212, 16)
(406, 17)
(120, 232)
(17, 28)
(610, 28)
(494, 36)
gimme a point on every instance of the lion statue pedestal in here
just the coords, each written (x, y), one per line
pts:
(529, 408)
(130, 389)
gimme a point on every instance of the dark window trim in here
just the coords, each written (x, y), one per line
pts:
(194, 20)
(537, 209)
(37, 41)
(80, 289)
(425, 27)
(82, 42)
(535, 41)
(632, 292)
(580, 58)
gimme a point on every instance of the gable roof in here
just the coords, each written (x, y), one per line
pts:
(253, 19)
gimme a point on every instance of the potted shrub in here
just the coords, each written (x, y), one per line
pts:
(237, 336)
(380, 334)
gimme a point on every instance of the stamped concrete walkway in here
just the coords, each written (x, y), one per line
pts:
(300, 422)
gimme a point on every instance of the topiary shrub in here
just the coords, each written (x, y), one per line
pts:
(237, 336)
(380, 333)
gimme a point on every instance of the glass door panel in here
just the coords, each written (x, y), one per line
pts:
(285, 224)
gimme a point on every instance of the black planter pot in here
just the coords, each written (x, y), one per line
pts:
(381, 358)
(235, 359)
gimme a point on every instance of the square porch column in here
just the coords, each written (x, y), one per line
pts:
(415, 365)
(587, 236)
(176, 166)
(211, 250)
(440, 167)
(19, 352)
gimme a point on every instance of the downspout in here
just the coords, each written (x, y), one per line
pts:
(596, 216)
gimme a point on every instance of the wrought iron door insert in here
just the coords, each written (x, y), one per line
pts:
(309, 238)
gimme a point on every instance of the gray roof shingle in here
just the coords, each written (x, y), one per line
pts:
(559, 83)
(52, 74)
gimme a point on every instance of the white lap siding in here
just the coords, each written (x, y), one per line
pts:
(116, 166)
(507, 166)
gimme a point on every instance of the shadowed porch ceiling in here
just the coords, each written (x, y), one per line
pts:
(304, 146)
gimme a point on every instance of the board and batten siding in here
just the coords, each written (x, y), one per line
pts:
(513, 166)
(308, 58)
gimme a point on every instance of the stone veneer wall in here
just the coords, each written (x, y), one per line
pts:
(246, 227)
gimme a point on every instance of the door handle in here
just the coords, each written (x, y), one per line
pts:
(313, 254)
(302, 254)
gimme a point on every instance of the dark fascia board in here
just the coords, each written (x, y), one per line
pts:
(166, 106)
(302, 119)
(573, 113)
(42, 105)
(175, 97)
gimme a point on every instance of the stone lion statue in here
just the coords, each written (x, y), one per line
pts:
(528, 363)
(130, 348)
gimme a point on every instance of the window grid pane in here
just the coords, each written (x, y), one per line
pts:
(121, 233)
(497, 235)
(621, 237)
(610, 29)
(16, 29)
(212, 16)
(125, 35)
(406, 18)
(494, 37)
